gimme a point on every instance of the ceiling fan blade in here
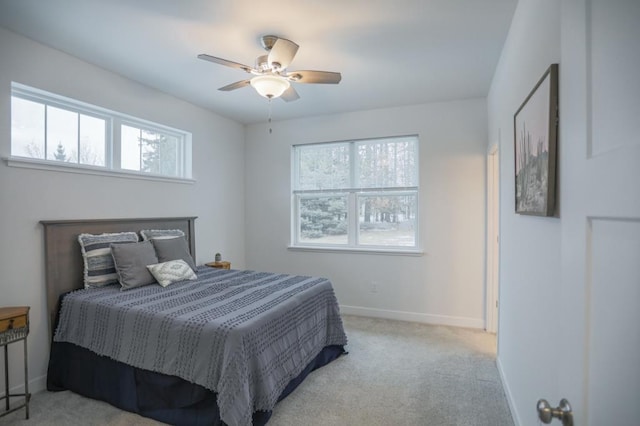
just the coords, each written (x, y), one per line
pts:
(315, 77)
(282, 53)
(236, 85)
(225, 62)
(290, 95)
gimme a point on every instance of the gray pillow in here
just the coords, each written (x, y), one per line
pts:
(131, 262)
(172, 249)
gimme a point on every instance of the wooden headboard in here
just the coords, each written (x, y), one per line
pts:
(64, 267)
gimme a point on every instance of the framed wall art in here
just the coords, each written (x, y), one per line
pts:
(535, 138)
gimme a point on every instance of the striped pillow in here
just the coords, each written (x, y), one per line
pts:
(99, 269)
(160, 234)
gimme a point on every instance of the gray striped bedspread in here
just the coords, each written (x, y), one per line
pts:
(242, 334)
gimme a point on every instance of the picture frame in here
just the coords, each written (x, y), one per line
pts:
(535, 126)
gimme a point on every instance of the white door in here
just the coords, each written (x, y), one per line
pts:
(599, 159)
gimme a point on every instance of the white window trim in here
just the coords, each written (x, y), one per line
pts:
(57, 166)
(113, 120)
(362, 250)
(352, 196)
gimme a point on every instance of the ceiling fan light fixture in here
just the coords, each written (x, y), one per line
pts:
(270, 86)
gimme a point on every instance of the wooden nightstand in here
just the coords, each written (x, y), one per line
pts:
(221, 264)
(14, 326)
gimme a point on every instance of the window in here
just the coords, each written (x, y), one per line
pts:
(60, 131)
(151, 151)
(356, 194)
(44, 131)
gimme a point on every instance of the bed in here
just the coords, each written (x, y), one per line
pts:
(221, 350)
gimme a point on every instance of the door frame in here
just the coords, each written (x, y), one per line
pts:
(492, 278)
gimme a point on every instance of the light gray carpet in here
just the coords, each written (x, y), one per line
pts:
(396, 373)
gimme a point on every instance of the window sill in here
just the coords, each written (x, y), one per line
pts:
(359, 250)
(31, 163)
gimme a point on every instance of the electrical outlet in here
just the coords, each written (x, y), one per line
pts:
(374, 287)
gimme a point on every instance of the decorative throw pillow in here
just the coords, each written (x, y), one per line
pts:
(160, 234)
(172, 249)
(172, 271)
(131, 262)
(99, 269)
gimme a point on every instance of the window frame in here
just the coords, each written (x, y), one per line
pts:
(113, 139)
(353, 210)
(156, 128)
(77, 107)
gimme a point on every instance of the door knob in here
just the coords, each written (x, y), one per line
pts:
(562, 412)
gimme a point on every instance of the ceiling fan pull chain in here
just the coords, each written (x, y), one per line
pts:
(269, 121)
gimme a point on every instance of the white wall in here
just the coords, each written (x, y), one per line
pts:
(530, 265)
(28, 196)
(446, 284)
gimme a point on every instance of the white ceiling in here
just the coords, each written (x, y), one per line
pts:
(390, 53)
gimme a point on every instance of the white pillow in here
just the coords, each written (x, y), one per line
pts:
(161, 234)
(172, 271)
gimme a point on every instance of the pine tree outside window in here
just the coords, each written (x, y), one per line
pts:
(359, 194)
(151, 151)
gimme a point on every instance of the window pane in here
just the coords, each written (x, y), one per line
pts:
(151, 152)
(149, 142)
(323, 220)
(323, 166)
(387, 220)
(92, 140)
(130, 148)
(159, 153)
(62, 133)
(170, 156)
(27, 128)
(386, 163)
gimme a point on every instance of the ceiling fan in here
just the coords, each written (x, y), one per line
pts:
(271, 78)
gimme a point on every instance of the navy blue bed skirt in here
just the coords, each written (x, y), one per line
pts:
(168, 399)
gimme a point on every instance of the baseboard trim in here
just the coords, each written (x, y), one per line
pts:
(413, 317)
(509, 395)
(36, 385)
